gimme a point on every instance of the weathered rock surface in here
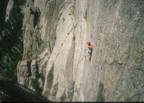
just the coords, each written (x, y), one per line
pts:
(55, 62)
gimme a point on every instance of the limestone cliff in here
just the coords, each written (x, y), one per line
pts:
(55, 61)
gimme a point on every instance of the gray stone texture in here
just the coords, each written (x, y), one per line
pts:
(55, 33)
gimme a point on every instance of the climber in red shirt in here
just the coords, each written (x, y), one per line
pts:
(90, 49)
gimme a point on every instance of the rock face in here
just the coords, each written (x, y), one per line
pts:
(55, 61)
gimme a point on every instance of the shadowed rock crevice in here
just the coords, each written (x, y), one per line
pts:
(29, 68)
(36, 12)
(55, 88)
(50, 80)
(100, 95)
(63, 97)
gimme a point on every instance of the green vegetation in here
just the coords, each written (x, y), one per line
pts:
(35, 85)
(11, 46)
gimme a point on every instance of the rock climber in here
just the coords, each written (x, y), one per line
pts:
(90, 49)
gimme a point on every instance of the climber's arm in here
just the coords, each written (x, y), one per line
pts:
(90, 46)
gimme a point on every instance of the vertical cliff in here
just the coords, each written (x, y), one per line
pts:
(116, 73)
(55, 62)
